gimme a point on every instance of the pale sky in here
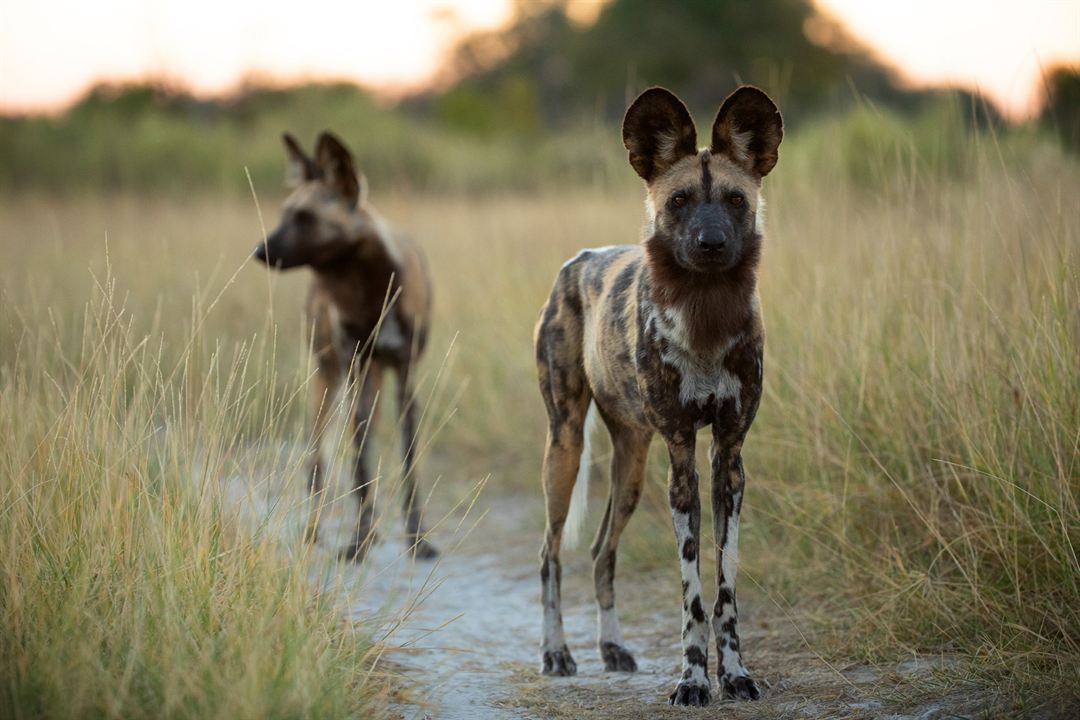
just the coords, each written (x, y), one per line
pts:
(52, 50)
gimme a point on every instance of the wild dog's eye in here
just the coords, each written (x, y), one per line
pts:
(736, 200)
(678, 200)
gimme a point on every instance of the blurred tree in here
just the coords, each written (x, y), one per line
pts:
(699, 48)
(1062, 110)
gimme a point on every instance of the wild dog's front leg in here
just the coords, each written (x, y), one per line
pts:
(363, 416)
(733, 420)
(727, 492)
(414, 527)
(323, 390)
(693, 687)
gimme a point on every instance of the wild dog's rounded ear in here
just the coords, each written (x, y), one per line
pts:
(301, 168)
(748, 129)
(658, 131)
(338, 169)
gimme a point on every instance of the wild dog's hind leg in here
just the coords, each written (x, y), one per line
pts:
(324, 390)
(363, 417)
(566, 397)
(414, 529)
(631, 450)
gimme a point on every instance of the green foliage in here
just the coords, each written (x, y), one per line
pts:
(155, 139)
(699, 48)
(1062, 112)
(511, 109)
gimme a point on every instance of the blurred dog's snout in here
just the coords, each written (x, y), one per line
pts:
(260, 252)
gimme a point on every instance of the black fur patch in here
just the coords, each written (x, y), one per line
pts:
(695, 656)
(689, 550)
(696, 610)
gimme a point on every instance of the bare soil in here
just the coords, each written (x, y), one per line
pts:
(470, 648)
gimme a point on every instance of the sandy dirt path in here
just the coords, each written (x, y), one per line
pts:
(470, 648)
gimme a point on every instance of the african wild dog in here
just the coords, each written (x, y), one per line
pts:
(369, 309)
(664, 337)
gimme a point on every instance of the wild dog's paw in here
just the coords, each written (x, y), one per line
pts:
(617, 658)
(559, 662)
(423, 550)
(739, 687)
(688, 692)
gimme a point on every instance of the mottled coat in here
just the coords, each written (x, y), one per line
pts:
(664, 337)
(369, 309)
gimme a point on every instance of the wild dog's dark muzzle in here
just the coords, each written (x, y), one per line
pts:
(712, 237)
(276, 251)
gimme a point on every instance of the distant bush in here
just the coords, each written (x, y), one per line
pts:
(1062, 112)
(875, 148)
(160, 139)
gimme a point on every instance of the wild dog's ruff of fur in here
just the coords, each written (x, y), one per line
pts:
(662, 338)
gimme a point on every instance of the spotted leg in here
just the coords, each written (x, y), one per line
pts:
(693, 687)
(727, 493)
(733, 420)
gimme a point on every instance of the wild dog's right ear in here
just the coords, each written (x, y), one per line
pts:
(338, 169)
(658, 131)
(301, 168)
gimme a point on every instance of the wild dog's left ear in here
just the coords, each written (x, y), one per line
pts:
(338, 169)
(748, 129)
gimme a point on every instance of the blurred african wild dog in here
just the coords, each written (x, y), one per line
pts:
(663, 337)
(369, 308)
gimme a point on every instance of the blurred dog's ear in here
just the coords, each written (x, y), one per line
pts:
(748, 129)
(338, 170)
(301, 168)
(658, 131)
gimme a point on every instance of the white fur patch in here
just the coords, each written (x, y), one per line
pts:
(608, 622)
(666, 142)
(731, 662)
(391, 336)
(701, 375)
(698, 635)
(730, 560)
(740, 144)
(554, 639)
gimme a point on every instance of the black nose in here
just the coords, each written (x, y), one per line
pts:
(260, 252)
(711, 242)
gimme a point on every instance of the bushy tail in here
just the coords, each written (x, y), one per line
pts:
(579, 500)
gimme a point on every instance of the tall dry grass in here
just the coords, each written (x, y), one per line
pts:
(138, 577)
(913, 477)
